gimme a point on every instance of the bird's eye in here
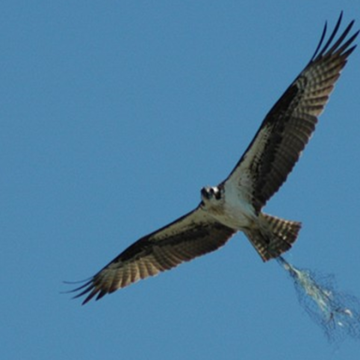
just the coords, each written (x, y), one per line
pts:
(204, 192)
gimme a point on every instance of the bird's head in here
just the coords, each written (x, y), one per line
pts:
(210, 194)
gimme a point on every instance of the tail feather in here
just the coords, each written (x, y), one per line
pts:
(274, 236)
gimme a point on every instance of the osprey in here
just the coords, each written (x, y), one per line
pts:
(236, 203)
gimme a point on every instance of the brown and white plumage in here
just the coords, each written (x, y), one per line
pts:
(236, 203)
(192, 235)
(288, 126)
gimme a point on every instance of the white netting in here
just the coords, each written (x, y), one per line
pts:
(337, 313)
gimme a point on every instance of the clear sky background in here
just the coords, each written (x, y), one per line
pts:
(113, 115)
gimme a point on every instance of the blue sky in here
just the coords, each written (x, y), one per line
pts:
(113, 115)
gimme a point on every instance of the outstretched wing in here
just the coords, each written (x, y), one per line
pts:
(190, 236)
(288, 126)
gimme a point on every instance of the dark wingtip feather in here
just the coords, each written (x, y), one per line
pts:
(101, 294)
(88, 286)
(324, 50)
(320, 42)
(90, 296)
(333, 34)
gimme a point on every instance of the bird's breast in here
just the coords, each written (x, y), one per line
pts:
(234, 211)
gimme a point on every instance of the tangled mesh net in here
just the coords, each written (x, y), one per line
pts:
(337, 313)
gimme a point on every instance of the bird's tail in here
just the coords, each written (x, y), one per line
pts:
(274, 236)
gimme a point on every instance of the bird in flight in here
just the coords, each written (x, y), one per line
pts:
(236, 203)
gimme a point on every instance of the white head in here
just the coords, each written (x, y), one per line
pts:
(210, 195)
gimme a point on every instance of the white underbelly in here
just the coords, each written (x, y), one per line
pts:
(236, 213)
(236, 217)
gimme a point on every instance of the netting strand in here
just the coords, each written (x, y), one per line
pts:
(337, 313)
